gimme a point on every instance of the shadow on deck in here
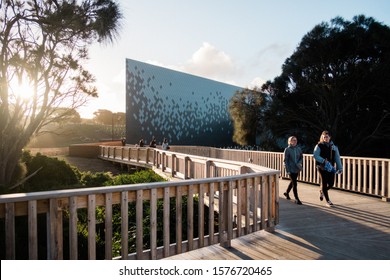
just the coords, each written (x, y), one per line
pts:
(356, 228)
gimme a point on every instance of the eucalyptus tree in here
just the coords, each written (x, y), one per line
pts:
(337, 79)
(44, 45)
(107, 117)
(246, 109)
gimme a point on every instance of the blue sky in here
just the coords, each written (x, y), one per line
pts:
(239, 42)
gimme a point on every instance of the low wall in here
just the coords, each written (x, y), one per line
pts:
(51, 152)
(89, 150)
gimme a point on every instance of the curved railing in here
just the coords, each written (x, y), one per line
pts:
(361, 174)
(245, 196)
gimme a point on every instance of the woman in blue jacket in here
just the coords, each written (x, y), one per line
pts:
(327, 155)
(293, 159)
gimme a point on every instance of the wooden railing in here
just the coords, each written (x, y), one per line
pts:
(361, 174)
(244, 196)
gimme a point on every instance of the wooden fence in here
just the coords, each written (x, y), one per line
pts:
(243, 197)
(360, 174)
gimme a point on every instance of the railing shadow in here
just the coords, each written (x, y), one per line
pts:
(355, 228)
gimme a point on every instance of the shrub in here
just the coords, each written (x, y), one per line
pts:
(97, 179)
(52, 173)
(143, 176)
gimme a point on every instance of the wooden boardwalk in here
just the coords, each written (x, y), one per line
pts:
(357, 227)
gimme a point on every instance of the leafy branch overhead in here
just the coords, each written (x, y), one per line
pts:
(44, 46)
(337, 80)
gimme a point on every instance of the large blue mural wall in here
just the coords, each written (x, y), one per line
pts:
(185, 109)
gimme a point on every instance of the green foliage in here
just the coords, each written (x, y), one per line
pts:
(49, 60)
(246, 109)
(19, 174)
(56, 172)
(142, 176)
(97, 179)
(132, 229)
(106, 117)
(52, 173)
(337, 80)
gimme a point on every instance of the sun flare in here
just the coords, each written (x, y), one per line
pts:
(22, 89)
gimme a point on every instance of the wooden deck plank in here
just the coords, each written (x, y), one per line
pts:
(357, 227)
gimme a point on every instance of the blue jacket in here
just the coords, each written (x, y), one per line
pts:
(293, 159)
(334, 158)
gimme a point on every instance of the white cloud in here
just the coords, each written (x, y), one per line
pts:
(256, 82)
(207, 62)
(210, 62)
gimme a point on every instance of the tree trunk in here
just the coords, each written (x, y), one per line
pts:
(10, 155)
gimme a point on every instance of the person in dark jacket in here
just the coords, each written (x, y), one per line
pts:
(153, 143)
(293, 158)
(326, 155)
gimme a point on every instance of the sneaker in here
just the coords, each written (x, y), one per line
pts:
(287, 196)
(321, 196)
(297, 201)
(329, 203)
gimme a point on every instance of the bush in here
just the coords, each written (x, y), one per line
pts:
(143, 176)
(52, 173)
(97, 179)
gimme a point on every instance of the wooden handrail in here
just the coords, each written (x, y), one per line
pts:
(361, 174)
(245, 196)
(242, 186)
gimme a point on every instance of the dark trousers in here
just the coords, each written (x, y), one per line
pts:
(327, 182)
(293, 185)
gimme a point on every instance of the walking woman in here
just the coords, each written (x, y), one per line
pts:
(327, 155)
(293, 158)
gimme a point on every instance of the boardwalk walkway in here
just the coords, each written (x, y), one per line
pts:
(356, 228)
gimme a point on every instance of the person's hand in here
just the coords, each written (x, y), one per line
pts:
(339, 172)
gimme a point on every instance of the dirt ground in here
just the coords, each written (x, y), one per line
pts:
(93, 165)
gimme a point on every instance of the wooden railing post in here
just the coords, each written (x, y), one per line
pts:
(55, 230)
(186, 164)
(124, 225)
(146, 154)
(139, 224)
(166, 225)
(108, 226)
(207, 168)
(271, 209)
(179, 221)
(155, 162)
(219, 193)
(91, 227)
(10, 231)
(173, 164)
(225, 215)
(73, 244)
(32, 230)
(162, 161)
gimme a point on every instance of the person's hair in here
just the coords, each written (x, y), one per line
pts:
(291, 138)
(325, 132)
